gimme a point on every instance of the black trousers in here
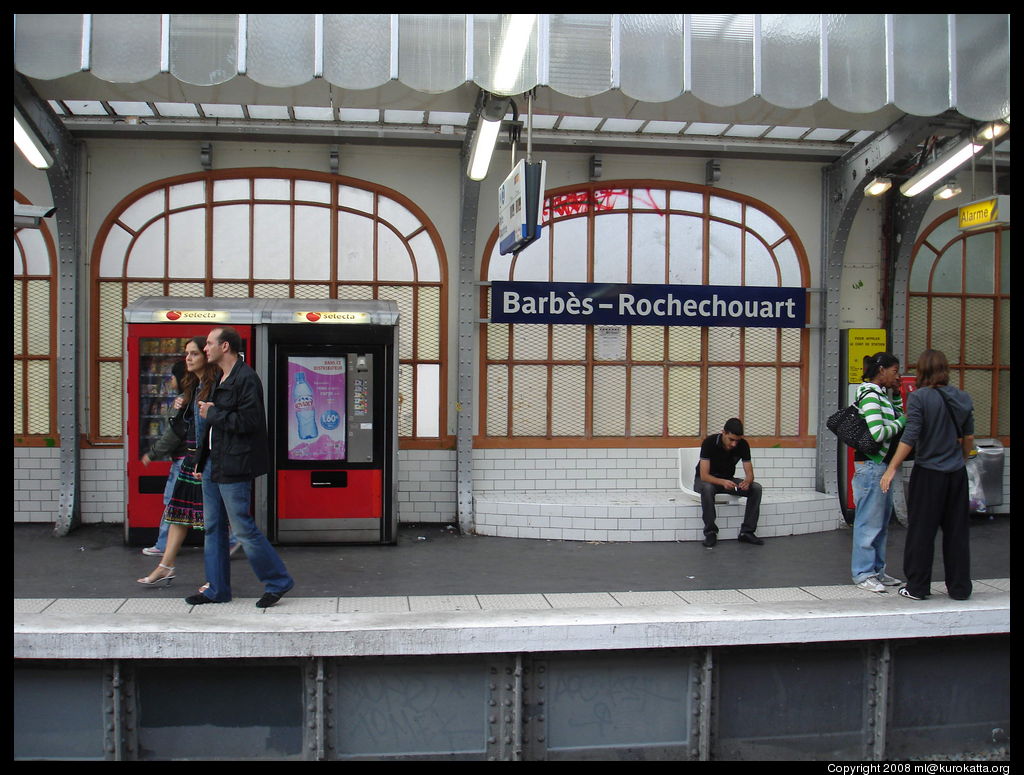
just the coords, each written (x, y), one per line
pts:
(936, 499)
(708, 491)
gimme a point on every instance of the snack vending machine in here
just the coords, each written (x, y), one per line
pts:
(157, 328)
(332, 406)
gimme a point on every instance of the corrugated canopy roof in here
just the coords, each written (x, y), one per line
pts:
(854, 71)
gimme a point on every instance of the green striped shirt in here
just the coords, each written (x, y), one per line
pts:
(884, 416)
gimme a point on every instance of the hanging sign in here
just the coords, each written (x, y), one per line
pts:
(648, 305)
(994, 211)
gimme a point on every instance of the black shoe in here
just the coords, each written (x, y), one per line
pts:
(904, 592)
(750, 538)
(198, 599)
(269, 599)
(710, 540)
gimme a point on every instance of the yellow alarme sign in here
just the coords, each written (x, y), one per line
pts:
(985, 212)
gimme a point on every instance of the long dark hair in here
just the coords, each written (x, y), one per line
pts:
(208, 377)
(875, 363)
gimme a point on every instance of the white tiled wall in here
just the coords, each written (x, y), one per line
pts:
(36, 484)
(620, 469)
(427, 487)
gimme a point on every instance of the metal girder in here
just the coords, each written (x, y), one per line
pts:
(908, 215)
(65, 186)
(842, 194)
(469, 202)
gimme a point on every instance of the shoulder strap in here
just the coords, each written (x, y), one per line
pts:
(949, 411)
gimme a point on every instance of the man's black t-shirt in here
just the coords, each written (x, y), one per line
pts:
(722, 461)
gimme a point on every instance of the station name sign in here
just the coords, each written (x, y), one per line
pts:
(641, 304)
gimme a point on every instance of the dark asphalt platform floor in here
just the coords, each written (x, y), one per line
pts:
(93, 562)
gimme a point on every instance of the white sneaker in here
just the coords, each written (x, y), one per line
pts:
(888, 580)
(871, 584)
(152, 551)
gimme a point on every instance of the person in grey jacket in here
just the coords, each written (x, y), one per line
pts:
(940, 430)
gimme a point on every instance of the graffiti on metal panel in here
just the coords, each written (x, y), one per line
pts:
(403, 713)
(599, 200)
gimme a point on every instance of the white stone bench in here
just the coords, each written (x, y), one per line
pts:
(644, 514)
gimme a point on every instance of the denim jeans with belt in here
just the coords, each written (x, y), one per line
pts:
(871, 520)
(227, 504)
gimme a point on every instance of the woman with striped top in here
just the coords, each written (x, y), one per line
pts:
(883, 412)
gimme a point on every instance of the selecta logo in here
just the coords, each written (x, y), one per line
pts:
(173, 314)
(312, 317)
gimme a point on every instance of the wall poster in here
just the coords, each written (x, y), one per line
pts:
(316, 408)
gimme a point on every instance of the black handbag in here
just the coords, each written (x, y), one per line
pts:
(850, 427)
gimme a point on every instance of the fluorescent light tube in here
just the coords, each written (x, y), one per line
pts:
(936, 171)
(29, 144)
(484, 139)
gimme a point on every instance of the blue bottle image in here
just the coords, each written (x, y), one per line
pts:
(305, 412)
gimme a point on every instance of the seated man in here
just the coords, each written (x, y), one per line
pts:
(716, 474)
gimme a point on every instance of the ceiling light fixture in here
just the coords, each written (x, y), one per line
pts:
(941, 168)
(485, 136)
(992, 131)
(948, 190)
(878, 186)
(29, 144)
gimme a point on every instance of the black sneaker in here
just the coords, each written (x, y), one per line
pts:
(269, 599)
(904, 592)
(750, 538)
(198, 599)
(710, 540)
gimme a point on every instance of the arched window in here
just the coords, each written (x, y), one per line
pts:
(646, 385)
(958, 301)
(267, 233)
(35, 348)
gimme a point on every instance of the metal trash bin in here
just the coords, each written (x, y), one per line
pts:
(990, 463)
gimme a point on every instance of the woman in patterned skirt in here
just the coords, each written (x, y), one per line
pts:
(185, 509)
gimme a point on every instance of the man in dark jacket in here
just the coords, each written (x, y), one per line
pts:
(234, 450)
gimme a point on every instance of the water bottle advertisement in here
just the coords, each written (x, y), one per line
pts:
(316, 408)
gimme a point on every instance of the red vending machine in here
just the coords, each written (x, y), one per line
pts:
(332, 389)
(157, 328)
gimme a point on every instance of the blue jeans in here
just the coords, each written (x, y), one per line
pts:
(224, 505)
(870, 522)
(172, 477)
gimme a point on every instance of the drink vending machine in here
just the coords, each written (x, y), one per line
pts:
(333, 387)
(329, 370)
(157, 328)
